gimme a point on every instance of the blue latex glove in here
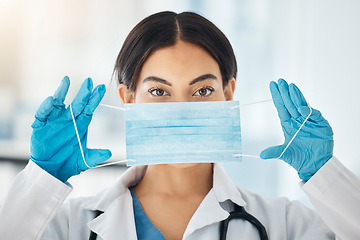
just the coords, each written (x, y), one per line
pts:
(313, 146)
(54, 145)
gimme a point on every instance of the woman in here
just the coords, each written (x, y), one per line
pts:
(172, 57)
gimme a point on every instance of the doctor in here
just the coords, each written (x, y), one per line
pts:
(172, 57)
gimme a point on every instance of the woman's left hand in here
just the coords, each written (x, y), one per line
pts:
(313, 146)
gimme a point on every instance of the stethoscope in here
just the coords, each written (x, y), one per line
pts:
(238, 213)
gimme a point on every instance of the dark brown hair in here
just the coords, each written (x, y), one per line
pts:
(165, 29)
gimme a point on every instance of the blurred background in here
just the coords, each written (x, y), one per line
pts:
(314, 44)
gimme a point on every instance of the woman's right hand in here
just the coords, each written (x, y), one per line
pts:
(54, 144)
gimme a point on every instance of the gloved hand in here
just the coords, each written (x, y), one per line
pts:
(54, 144)
(313, 146)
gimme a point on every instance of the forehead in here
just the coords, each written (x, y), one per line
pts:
(182, 59)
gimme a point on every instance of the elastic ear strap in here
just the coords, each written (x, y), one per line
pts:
(113, 163)
(77, 135)
(78, 138)
(292, 139)
(252, 103)
(287, 146)
(109, 106)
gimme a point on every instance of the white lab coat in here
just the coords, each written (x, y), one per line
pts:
(35, 209)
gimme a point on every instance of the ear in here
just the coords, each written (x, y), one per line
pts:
(126, 95)
(229, 89)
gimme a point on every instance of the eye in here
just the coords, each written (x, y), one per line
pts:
(204, 91)
(158, 92)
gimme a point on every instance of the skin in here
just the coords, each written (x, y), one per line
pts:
(171, 193)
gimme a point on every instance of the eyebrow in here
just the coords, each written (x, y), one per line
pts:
(198, 79)
(156, 79)
(203, 77)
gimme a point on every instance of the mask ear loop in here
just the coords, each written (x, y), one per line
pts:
(81, 149)
(77, 135)
(109, 106)
(253, 103)
(289, 143)
(292, 139)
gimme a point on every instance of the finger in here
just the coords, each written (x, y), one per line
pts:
(272, 152)
(284, 91)
(97, 156)
(315, 114)
(278, 102)
(82, 97)
(296, 96)
(43, 112)
(95, 99)
(61, 91)
(59, 97)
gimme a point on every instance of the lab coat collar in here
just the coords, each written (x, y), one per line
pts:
(210, 210)
(117, 222)
(224, 188)
(116, 203)
(105, 198)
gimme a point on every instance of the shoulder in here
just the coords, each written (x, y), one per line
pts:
(253, 198)
(266, 207)
(296, 219)
(279, 206)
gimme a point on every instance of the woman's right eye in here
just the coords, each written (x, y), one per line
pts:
(158, 92)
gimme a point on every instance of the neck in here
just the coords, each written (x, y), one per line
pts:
(177, 179)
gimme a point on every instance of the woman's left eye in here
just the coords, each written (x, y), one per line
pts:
(204, 92)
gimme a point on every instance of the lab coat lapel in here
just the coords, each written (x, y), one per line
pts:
(117, 222)
(104, 198)
(210, 210)
(224, 188)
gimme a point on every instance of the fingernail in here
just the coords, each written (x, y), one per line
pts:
(89, 83)
(102, 88)
(272, 84)
(292, 87)
(273, 87)
(297, 90)
(66, 79)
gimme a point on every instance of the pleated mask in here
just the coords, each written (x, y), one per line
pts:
(182, 132)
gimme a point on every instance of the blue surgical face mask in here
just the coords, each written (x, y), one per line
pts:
(182, 132)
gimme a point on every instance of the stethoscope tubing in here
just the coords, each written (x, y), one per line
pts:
(240, 213)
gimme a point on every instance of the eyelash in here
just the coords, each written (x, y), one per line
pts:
(207, 88)
(156, 89)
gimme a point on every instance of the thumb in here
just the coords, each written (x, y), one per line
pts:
(97, 156)
(272, 152)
